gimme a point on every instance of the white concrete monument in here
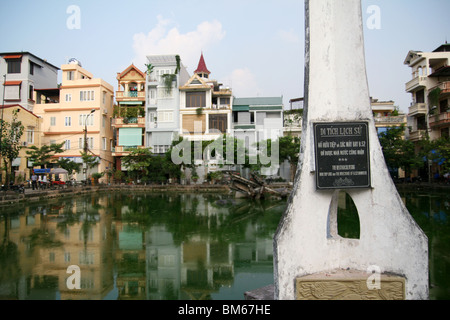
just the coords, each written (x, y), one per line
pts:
(340, 151)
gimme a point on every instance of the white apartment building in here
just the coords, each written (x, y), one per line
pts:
(165, 75)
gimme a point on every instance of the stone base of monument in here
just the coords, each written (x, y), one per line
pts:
(341, 285)
(350, 285)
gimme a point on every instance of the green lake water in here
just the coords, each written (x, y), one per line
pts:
(166, 246)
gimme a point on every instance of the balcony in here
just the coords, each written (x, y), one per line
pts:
(439, 120)
(444, 86)
(122, 151)
(418, 108)
(129, 122)
(130, 95)
(417, 135)
(390, 121)
(416, 83)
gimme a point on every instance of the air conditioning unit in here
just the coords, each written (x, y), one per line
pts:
(25, 144)
(105, 111)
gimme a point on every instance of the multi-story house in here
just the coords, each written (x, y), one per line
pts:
(165, 74)
(79, 114)
(386, 115)
(205, 107)
(22, 73)
(30, 137)
(258, 119)
(429, 112)
(129, 117)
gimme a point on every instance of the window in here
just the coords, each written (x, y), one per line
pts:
(195, 99)
(70, 75)
(68, 121)
(165, 116)
(30, 136)
(67, 145)
(14, 65)
(104, 97)
(104, 147)
(160, 149)
(90, 142)
(31, 68)
(52, 121)
(30, 92)
(218, 122)
(87, 95)
(82, 120)
(68, 97)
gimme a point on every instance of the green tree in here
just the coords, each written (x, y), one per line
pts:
(10, 143)
(398, 152)
(43, 156)
(139, 161)
(69, 165)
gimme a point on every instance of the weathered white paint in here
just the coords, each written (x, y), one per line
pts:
(336, 89)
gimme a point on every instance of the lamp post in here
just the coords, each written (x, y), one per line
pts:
(86, 142)
(1, 129)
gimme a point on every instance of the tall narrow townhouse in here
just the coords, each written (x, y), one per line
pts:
(80, 111)
(205, 107)
(22, 72)
(430, 89)
(129, 117)
(165, 73)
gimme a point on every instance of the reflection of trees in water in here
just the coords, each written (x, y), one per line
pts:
(217, 217)
(10, 270)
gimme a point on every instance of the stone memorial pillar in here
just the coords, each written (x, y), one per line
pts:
(340, 151)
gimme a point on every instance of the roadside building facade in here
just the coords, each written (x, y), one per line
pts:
(23, 72)
(30, 137)
(129, 114)
(80, 111)
(205, 107)
(429, 113)
(164, 76)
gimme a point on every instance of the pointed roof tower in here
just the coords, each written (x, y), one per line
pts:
(202, 70)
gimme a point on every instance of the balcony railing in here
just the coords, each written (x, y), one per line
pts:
(415, 83)
(130, 94)
(129, 121)
(417, 135)
(390, 120)
(122, 149)
(444, 86)
(418, 108)
(439, 120)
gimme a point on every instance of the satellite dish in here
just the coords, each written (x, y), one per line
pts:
(74, 61)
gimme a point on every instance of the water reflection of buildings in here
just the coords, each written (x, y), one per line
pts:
(129, 260)
(48, 240)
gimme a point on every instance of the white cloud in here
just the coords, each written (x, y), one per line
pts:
(243, 83)
(165, 40)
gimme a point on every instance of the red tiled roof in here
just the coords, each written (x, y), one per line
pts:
(202, 66)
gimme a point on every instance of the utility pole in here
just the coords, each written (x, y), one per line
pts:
(1, 129)
(86, 148)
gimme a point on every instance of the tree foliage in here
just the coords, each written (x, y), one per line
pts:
(44, 155)
(11, 134)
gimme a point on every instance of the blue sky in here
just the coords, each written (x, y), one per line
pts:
(255, 47)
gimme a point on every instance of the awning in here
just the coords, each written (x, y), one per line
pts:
(41, 171)
(58, 171)
(17, 56)
(13, 83)
(130, 137)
